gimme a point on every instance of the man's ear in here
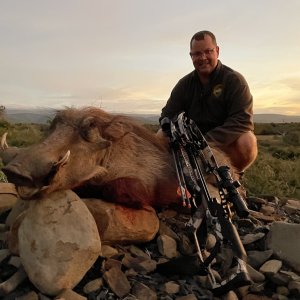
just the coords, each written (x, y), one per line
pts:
(218, 50)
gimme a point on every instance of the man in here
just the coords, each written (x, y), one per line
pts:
(218, 99)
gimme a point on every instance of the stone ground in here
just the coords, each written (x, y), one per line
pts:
(130, 272)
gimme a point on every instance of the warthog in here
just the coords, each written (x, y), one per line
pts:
(97, 154)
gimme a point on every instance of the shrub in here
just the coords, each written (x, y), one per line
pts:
(292, 138)
(269, 175)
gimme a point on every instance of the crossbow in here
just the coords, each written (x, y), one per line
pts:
(194, 160)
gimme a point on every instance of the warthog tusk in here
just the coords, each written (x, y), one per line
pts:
(63, 160)
(3, 141)
(44, 187)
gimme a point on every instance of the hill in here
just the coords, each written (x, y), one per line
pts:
(42, 116)
(275, 118)
(38, 116)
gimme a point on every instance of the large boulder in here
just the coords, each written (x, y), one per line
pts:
(119, 224)
(284, 239)
(58, 242)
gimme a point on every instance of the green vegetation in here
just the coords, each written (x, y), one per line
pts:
(22, 135)
(275, 172)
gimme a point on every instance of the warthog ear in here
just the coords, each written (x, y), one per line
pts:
(90, 132)
(117, 130)
(104, 143)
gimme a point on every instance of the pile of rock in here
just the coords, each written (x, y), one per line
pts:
(65, 261)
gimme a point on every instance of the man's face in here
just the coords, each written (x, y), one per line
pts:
(204, 54)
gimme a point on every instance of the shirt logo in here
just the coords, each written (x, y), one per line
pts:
(217, 91)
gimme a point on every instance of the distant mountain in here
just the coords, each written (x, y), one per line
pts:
(38, 116)
(43, 116)
(275, 118)
(258, 118)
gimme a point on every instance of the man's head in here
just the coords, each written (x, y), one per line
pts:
(204, 52)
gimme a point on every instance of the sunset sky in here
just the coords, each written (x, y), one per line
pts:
(126, 55)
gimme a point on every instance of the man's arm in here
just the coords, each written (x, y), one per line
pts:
(176, 101)
(239, 106)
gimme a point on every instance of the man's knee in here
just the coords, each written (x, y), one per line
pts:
(243, 151)
(247, 145)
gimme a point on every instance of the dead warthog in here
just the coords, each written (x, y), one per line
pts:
(94, 152)
(100, 155)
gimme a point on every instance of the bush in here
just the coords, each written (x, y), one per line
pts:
(269, 175)
(292, 138)
(22, 135)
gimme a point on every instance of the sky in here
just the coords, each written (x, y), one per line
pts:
(127, 55)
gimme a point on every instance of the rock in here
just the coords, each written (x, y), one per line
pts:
(167, 214)
(8, 196)
(187, 297)
(19, 207)
(29, 296)
(9, 285)
(255, 275)
(261, 216)
(252, 237)
(12, 238)
(255, 297)
(58, 242)
(279, 297)
(291, 275)
(118, 224)
(136, 251)
(267, 210)
(257, 287)
(294, 287)
(210, 241)
(143, 265)
(271, 267)
(15, 261)
(280, 278)
(256, 258)
(292, 206)
(143, 292)
(117, 281)
(112, 263)
(93, 286)
(282, 290)
(166, 230)
(108, 251)
(68, 294)
(167, 246)
(171, 287)
(277, 241)
(129, 270)
(3, 254)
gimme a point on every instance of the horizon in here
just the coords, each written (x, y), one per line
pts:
(113, 55)
(42, 116)
(49, 109)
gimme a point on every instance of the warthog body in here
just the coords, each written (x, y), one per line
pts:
(99, 155)
(91, 151)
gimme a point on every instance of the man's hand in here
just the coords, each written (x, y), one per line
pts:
(165, 125)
